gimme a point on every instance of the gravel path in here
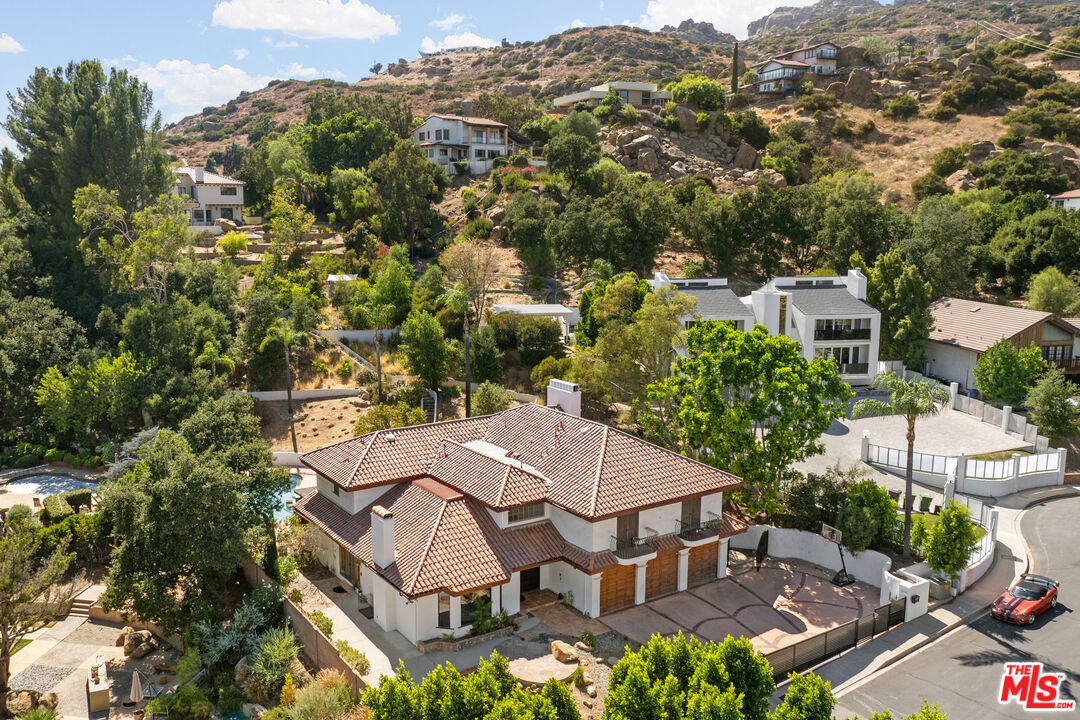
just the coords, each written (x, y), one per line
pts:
(42, 678)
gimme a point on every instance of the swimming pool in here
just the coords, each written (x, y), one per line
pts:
(286, 499)
(46, 485)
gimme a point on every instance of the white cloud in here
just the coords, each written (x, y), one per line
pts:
(9, 44)
(465, 39)
(280, 43)
(240, 53)
(301, 72)
(313, 19)
(7, 143)
(575, 23)
(731, 16)
(182, 87)
(447, 23)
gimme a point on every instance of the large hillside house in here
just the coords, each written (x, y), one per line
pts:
(209, 197)
(965, 329)
(427, 520)
(829, 316)
(638, 94)
(784, 72)
(450, 139)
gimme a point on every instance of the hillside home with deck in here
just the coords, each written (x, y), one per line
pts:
(448, 139)
(828, 316)
(428, 520)
(965, 329)
(638, 94)
(783, 73)
(209, 197)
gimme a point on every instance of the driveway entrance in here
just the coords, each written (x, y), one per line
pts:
(783, 603)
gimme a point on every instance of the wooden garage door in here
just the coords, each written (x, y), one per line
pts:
(662, 575)
(617, 587)
(702, 564)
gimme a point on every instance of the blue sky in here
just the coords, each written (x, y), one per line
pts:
(195, 53)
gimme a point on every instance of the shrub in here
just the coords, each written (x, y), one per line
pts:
(478, 228)
(38, 713)
(231, 700)
(902, 108)
(461, 167)
(816, 102)
(670, 123)
(232, 242)
(950, 541)
(288, 691)
(949, 160)
(703, 121)
(783, 165)
(864, 129)
(490, 398)
(907, 72)
(929, 184)
(698, 91)
(868, 517)
(345, 369)
(327, 698)
(357, 660)
(28, 460)
(536, 283)
(538, 338)
(319, 620)
(578, 678)
(588, 638)
(469, 199)
(273, 657)
(55, 509)
(296, 596)
(694, 269)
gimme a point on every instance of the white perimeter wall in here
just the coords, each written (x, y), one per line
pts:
(866, 566)
(560, 577)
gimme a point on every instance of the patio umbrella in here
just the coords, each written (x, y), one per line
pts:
(136, 688)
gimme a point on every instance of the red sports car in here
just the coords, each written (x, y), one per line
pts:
(1028, 598)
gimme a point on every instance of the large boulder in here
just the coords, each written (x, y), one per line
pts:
(496, 214)
(639, 143)
(648, 117)
(687, 119)
(500, 233)
(977, 69)
(836, 89)
(1063, 149)
(943, 65)
(964, 61)
(121, 639)
(746, 157)
(775, 179)
(647, 161)
(142, 650)
(678, 170)
(981, 151)
(859, 89)
(961, 180)
(564, 652)
(17, 702)
(49, 701)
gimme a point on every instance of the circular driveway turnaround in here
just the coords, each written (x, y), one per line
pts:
(785, 602)
(962, 671)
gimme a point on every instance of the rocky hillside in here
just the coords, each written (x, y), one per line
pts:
(699, 32)
(785, 19)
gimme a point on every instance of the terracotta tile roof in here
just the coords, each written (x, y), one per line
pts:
(976, 325)
(591, 470)
(444, 541)
(1067, 195)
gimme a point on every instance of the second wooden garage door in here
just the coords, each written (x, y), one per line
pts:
(701, 565)
(617, 587)
(661, 575)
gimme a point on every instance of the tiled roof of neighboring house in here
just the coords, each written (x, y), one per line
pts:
(780, 61)
(470, 120)
(977, 325)
(802, 49)
(592, 470)
(534, 309)
(447, 541)
(1075, 322)
(826, 300)
(1067, 195)
(209, 178)
(717, 302)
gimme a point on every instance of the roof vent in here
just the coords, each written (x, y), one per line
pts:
(584, 429)
(390, 437)
(974, 309)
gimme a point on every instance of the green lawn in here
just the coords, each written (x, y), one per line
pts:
(930, 521)
(999, 455)
(20, 645)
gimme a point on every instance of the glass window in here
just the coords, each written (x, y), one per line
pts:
(473, 603)
(444, 611)
(526, 512)
(227, 213)
(228, 191)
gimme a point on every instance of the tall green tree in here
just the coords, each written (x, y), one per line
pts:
(903, 298)
(408, 185)
(1052, 406)
(289, 220)
(30, 591)
(211, 356)
(951, 540)
(282, 332)
(1004, 373)
(574, 149)
(377, 316)
(749, 403)
(911, 401)
(1052, 291)
(941, 233)
(808, 697)
(426, 349)
(77, 126)
(853, 219)
(735, 69)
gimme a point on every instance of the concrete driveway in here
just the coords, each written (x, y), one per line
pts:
(785, 602)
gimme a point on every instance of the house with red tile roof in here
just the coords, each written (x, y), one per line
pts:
(784, 72)
(434, 523)
(470, 143)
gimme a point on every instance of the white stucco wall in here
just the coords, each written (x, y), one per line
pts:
(712, 504)
(952, 363)
(590, 536)
(560, 577)
(351, 501)
(866, 566)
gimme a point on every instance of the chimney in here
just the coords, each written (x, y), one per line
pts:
(856, 283)
(200, 175)
(566, 395)
(382, 536)
(660, 279)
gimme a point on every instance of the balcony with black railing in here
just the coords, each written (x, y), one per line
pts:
(699, 530)
(628, 548)
(827, 333)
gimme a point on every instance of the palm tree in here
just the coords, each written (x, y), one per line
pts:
(294, 175)
(378, 317)
(211, 355)
(281, 331)
(458, 300)
(911, 400)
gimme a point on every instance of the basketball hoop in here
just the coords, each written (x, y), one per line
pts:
(834, 535)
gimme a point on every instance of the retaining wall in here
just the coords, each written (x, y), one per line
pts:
(314, 394)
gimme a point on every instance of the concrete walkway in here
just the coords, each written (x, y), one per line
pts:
(848, 671)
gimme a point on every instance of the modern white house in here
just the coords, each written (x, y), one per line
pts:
(426, 521)
(784, 72)
(965, 329)
(567, 317)
(449, 139)
(828, 316)
(638, 94)
(1070, 200)
(209, 197)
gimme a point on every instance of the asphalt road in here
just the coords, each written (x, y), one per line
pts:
(962, 671)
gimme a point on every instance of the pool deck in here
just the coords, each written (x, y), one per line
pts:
(11, 499)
